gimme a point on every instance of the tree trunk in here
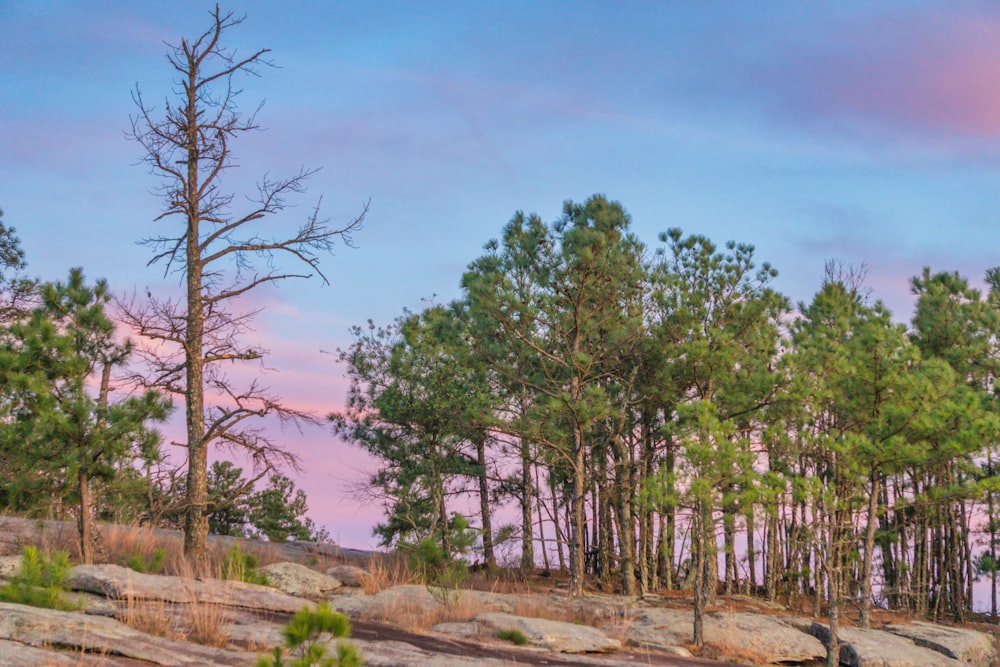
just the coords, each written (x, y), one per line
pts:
(729, 545)
(578, 526)
(698, 563)
(557, 522)
(869, 558)
(527, 541)
(834, 576)
(196, 521)
(668, 527)
(484, 506)
(751, 550)
(541, 528)
(626, 535)
(84, 520)
(665, 551)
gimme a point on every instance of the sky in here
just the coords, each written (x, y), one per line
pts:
(867, 132)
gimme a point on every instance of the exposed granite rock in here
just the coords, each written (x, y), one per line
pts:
(874, 648)
(552, 635)
(116, 582)
(14, 654)
(768, 637)
(349, 575)
(417, 599)
(47, 627)
(970, 646)
(299, 580)
(9, 566)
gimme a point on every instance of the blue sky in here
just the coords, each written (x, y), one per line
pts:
(867, 132)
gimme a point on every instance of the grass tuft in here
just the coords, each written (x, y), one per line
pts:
(513, 636)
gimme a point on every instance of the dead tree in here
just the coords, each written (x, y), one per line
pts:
(221, 256)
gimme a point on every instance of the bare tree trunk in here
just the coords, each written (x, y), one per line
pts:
(698, 546)
(835, 575)
(729, 546)
(541, 528)
(773, 555)
(196, 522)
(578, 513)
(484, 506)
(866, 572)
(527, 538)
(751, 549)
(84, 520)
(557, 522)
(665, 551)
(668, 528)
(626, 534)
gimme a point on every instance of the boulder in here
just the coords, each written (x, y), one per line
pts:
(349, 575)
(659, 629)
(767, 638)
(47, 627)
(552, 635)
(874, 648)
(299, 580)
(9, 566)
(120, 583)
(970, 646)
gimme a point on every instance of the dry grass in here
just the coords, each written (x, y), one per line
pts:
(121, 544)
(150, 616)
(195, 621)
(207, 623)
(386, 571)
(416, 615)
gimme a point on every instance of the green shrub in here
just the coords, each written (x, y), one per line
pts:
(302, 639)
(40, 581)
(513, 636)
(154, 563)
(240, 566)
(444, 573)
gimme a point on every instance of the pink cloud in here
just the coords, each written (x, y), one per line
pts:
(908, 72)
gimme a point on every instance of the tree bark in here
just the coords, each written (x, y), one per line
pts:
(698, 563)
(866, 573)
(484, 506)
(577, 547)
(196, 522)
(84, 520)
(527, 541)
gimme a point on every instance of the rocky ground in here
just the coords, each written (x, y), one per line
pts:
(128, 618)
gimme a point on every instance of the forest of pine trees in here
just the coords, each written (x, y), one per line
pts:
(651, 418)
(663, 418)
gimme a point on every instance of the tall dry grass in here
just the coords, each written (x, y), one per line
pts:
(386, 571)
(416, 615)
(194, 620)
